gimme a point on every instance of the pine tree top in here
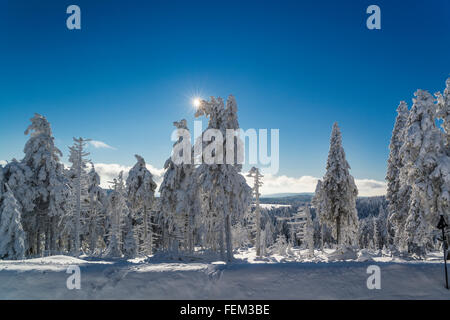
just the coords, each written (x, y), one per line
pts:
(336, 156)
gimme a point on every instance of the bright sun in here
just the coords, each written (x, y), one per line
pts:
(196, 102)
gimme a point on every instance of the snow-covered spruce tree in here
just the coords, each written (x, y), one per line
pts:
(47, 187)
(427, 169)
(95, 219)
(263, 243)
(12, 236)
(397, 194)
(2, 182)
(226, 193)
(79, 179)
(177, 197)
(339, 194)
(318, 204)
(240, 235)
(280, 245)
(129, 241)
(365, 232)
(256, 175)
(269, 231)
(376, 232)
(16, 174)
(309, 232)
(141, 195)
(443, 111)
(118, 212)
(382, 230)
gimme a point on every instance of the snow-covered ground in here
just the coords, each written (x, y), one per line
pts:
(246, 278)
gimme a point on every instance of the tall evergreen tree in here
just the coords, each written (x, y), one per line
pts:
(382, 225)
(318, 203)
(2, 181)
(12, 236)
(44, 177)
(309, 232)
(96, 218)
(226, 193)
(427, 170)
(141, 195)
(397, 194)
(254, 173)
(79, 183)
(339, 194)
(129, 246)
(118, 213)
(177, 197)
(443, 112)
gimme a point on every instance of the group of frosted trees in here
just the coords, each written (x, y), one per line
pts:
(418, 172)
(200, 203)
(49, 209)
(375, 232)
(418, 177)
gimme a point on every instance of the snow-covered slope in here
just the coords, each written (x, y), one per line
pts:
(45, 278)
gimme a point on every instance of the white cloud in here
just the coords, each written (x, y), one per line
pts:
(109, 171)
(3, 163)
(369, 187)
(272, 183)
(283, 184)
(100, 145)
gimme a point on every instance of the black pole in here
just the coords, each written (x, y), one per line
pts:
(442, 225)
(444, 244)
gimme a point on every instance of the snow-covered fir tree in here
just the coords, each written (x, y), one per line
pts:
(263, 243)
(427, 170)
(256, 175)
(376, 232)
(43, 191)
(141, 195)
(118, 213)
(443, 111)
(248, 221)
(280, 246)
(226, 193)
(79, 184)
(318, 203)
(2, 182)
(397, 194)
(96, 215)
(365, 232)
(16, 175)
(382, 228)
(12, 236)
(309, 232)
(339, 194)
(177, 197)
(269, 231)
(240, 236)
(129, 246)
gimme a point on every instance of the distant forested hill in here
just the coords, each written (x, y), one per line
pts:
(366, 206)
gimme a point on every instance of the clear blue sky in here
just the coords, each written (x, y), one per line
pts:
(293, 65)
